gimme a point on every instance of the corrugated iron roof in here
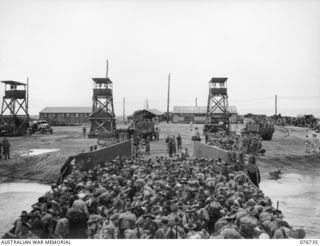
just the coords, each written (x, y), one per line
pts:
(11, 82)
(152, 111)
(66, 110)
(218, 80)
(198, 110)
(190, 109)
(102, 80)
(155, 111)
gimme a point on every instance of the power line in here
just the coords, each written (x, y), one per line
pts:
(299, 98)
(234, 101)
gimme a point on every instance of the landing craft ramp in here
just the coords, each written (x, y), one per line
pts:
(88, 160)
(201, 150)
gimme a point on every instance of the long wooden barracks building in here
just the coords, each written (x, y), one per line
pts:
(66, 116)
(196, 114)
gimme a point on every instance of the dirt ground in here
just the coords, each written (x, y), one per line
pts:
(42, 168)
(285, 153)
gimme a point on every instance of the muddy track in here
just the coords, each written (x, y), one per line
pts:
(43, 168)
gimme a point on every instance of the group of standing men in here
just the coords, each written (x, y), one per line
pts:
(139, 143)
(312, 144)
(173, 144)
(251, 144)
(5, 149)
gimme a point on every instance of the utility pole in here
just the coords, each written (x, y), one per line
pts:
(107, 72)
(168, 100)
(196, 102)
(27, 104)
(276, 104)
(124, 109)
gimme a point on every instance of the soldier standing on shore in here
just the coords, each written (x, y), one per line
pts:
(0, 150)
(6, 148)
(253, 171)
(167, 142)
(174, 145)
(84, 131)
(170, 146)
(157, 133)
(307, 144)
(179, 142)
(147, 142)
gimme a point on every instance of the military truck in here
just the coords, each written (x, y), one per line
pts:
(40, 126)
(265, 130)
(145, 129)
(260, 125)
(144, 124)
(307, 120)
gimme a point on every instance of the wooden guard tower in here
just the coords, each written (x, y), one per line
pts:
(14, 118)
(102, 118)
(217, 108)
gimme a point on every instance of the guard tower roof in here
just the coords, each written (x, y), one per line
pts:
(218, 80)
(11, 82)
(102, 80)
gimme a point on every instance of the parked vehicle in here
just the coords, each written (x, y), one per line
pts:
(260, 125)
(145, 129)
(265, 130)
(41, 126)
(144, 124)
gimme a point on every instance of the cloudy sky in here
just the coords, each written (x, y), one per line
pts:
(263, 47)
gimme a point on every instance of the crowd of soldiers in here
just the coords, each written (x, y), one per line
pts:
(223, 141)
(5, 149)
(247, 143)
(161, 198)
(252, 144)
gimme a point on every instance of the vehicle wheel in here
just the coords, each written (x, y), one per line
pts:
(51, 131)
